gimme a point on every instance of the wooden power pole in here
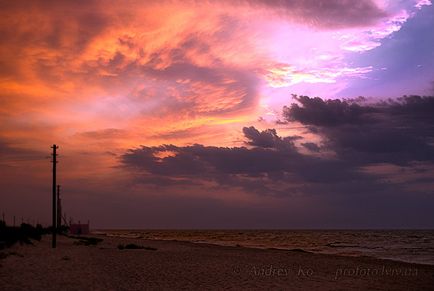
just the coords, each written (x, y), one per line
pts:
(54, 228)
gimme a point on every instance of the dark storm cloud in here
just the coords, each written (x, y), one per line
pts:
(411, 108)
(271, 160)
(316, 111)
(204, 160)
(392, 132)
(328, 113)
(269, 139)
(313, 147)
(396, 132)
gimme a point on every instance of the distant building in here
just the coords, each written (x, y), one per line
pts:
(79, 228)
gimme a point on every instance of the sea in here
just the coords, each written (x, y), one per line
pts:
(414, 246)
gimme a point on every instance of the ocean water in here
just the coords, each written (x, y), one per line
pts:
(415, 246)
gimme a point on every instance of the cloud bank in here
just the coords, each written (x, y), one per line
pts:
(360, 136)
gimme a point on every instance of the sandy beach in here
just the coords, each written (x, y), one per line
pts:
(178, 265)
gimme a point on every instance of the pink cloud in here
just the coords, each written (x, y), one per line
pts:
(199, 64)
(420, 3)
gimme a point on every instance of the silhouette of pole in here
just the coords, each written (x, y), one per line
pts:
(54, 228)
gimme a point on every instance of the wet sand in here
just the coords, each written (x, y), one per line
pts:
(188, 266)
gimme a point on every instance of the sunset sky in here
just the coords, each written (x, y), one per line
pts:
(194, 114)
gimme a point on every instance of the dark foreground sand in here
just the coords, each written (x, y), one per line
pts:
(180, 265)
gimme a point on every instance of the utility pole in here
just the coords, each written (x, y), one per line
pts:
(54, 228)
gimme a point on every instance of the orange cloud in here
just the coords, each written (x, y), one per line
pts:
(171, 70)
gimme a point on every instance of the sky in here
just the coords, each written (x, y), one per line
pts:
(219, 114)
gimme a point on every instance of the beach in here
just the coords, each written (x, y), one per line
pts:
(176, 265)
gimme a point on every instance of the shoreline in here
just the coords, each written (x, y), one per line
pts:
(189, 265)
(297, 250)
(99, 233)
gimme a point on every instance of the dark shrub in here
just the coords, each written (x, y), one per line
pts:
(135, 247)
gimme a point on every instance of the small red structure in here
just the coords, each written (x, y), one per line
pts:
(79, 228)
